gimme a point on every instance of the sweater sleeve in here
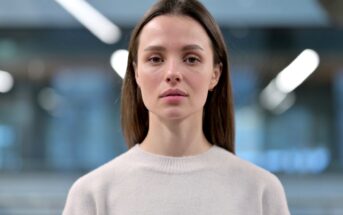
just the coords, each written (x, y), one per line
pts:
(274, 198)
(80, 200)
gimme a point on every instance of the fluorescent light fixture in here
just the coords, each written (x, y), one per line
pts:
(6, 82)
(278, 96)
(119, 61)
(296, 72)
(286, 103)
(271, 97)
(276, 101)
(92, 19)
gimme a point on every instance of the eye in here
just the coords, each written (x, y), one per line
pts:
(192, 59)
(155, 60)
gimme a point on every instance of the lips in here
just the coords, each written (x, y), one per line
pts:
(173, 92)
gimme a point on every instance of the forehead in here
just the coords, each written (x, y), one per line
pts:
(174, 30)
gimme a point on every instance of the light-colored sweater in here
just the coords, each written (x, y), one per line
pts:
(215, 182)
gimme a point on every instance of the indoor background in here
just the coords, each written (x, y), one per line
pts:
(61, 68)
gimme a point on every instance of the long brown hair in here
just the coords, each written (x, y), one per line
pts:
(218, 117)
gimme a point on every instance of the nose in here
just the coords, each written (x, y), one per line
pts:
(173, 75)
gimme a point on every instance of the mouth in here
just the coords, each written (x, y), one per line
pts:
(173, 92)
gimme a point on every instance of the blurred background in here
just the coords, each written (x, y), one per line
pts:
(61, 63)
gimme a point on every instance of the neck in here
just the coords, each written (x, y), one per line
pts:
(175, 137)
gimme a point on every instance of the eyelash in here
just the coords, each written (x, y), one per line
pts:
(193, 58)
(151, 59)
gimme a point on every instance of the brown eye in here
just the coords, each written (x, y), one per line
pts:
(155, 60)
(191, 60)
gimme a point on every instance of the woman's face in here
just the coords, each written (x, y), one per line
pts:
(175, 68)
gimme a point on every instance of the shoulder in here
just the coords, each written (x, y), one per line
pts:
(82, 195)
(244, 170)
(252, 178)
(107, 172)
(110, 172)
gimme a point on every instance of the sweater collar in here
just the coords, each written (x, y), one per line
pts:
(170, 164)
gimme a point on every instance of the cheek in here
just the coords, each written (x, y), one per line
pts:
(200, 90)
(148, 81)
(149, 84)
(201, 82)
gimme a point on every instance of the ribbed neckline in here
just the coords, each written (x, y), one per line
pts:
(170, 164)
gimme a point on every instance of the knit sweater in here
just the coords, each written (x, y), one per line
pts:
(213, 182)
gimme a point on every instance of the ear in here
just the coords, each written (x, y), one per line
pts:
(217, 71)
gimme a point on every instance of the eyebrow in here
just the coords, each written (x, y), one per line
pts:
(192, 47)
(185, 48)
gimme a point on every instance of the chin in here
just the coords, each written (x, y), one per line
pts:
(170, 115)
(174, 115)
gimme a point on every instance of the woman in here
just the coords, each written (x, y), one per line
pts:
(177, 118)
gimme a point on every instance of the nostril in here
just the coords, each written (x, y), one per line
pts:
(173, 78)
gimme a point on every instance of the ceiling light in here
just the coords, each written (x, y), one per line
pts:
(92, 19)
(6, 82)
(119, 62)
(296, 72)
(278, 96)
